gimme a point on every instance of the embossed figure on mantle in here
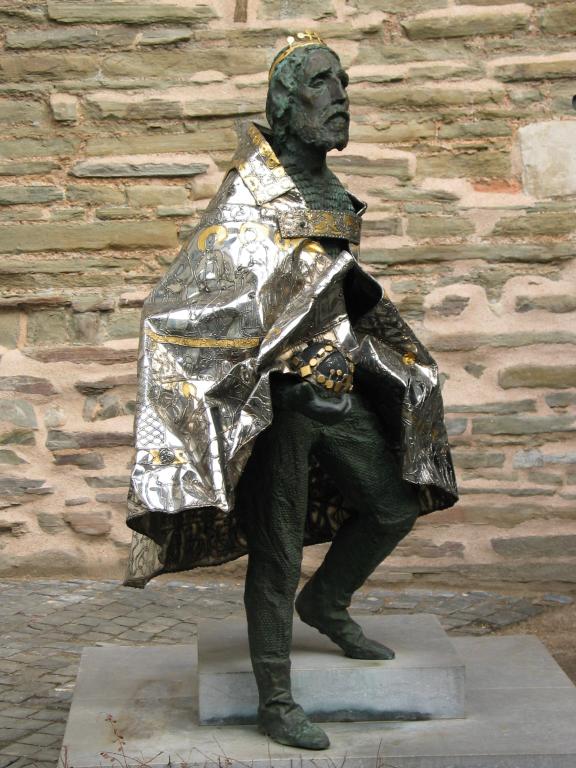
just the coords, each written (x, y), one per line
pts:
(282, 399)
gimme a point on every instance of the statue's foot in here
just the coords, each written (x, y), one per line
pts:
(341, 629)
(291, 727)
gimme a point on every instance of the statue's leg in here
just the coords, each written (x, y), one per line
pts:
(385, 507)
(273, 498)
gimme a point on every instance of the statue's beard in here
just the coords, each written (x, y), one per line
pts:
(320, 135)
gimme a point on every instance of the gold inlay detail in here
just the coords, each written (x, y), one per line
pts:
(184, 341)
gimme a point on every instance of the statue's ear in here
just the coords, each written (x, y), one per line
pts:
(278, 99)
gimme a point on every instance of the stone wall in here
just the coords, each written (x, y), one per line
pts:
(117, 122)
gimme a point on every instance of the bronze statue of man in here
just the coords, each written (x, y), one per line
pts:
(288, 403)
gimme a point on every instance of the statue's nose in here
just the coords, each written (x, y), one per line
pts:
(339, 95)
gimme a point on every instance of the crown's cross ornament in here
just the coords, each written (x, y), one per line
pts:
(299, 40)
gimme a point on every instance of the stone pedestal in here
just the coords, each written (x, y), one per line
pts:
(138, 706)
(425, 681)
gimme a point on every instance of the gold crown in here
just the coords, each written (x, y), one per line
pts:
(299, 41)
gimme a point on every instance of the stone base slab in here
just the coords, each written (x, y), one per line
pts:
(425, 681)
(136, 706)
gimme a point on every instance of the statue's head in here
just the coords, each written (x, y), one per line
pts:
(307, 95)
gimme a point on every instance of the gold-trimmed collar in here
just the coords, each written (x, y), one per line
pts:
(259, 167)
(262, 171)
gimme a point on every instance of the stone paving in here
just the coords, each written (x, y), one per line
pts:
(45, 625)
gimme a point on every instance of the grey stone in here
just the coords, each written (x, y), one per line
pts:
(456, 426)
(536, 546)
(93, 523)
(557, 304)
(17, 436)
(478, 459)
(549, 164)
(491, 252)
(529, 458)
(58, 439)
(10, 457)
(138, 166)
(108, 481)
(18, 412)
(51, 523)
(165, 35)
(28, 167)
(521, 715)
(27, 385)
(561, 399)
(475, 369)
(515, 406)
(554, 376)
(280, 9)
(15, 528)
(19, 195)
(81, 458)
(79, 37)
(450, 306)
(110, 11)
(92, 194)
(425, 680)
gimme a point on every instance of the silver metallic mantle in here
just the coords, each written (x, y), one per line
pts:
(252, 282)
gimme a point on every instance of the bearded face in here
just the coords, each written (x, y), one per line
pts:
(319, 115)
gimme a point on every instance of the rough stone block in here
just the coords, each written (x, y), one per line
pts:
(552, 223)
(28, 168)
(158, 64)
(536, 546)
(169, 103)
(9, 328)
(20, 195)
(467, 21)
(425, 681)
(216, 136)
(138, 166)
(438, 226)
(79, 37)
(482, 163)
(548, 157)
(47, 327)
(11, 458)
(399, 165)
(93, 523)
(150, 195)
(431, 95)
(164, 36)
(45, 146)
(527, 425)
(50, 523)
(59, 440)
(553, 376)
(64, 107)
(16, 111)
(119, 213)
(86, 237)
(92, 194)
(559, 19)
(556, 303)
(46, 66)
(110, 11)
(18, 412)
(478, 459)
(514, 68)
(83, 459)
(311, 9)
